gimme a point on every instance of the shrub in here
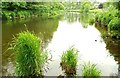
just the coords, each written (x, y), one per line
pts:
(13, 15)
(69, 60)
(99, 16)
(107, 16)
(6, 15)
(20, 14)
(114, 26)
(90, 71)
(29, 57)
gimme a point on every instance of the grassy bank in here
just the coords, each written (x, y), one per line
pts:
(18, 10)
(111, 20)
(9, 15)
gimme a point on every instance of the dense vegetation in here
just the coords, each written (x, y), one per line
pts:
(110, 17)
(29, 57)
(12, 10)
(106, 14)
(27, 47)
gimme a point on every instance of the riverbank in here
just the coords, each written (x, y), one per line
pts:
(92, 11)
(110, 20)
(53, 32)
(18, 10)
(10, 15)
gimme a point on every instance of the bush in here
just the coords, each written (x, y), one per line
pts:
(13, 15)
(114, 26)
(29, 57)
(99, 16)
(90, 71)
(107, 16)
(69, 61)
(20, 14)
(6, 15)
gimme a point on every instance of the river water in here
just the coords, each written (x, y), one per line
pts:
(58, 35)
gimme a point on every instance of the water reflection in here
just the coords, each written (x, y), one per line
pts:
(59, 35)
(42, 27)
(83, 18)
(84, 40)
(113, 45)
(72, 17)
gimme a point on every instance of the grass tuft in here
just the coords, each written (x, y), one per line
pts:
(29, 57)
(90, 71)
(69, 61)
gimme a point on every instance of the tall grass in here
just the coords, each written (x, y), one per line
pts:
(69, 61)
(29, 57)
(90, 71)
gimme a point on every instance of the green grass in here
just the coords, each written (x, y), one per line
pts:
(69, 60)
(90, 71)
(29, 57)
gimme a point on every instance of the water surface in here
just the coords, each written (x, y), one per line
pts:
(58, 35)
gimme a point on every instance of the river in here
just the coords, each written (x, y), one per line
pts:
(58, 35)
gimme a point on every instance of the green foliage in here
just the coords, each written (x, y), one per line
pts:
(107, 18)
(7, 14)
(70, 57)
(91, 21)
(114, 26)
(99, 16)
(23, 14)
(11, 15)
(110, 18)
(57, 6)
(85, 6)
(13, 5)
(90, 71)
(36, 8)
(29, 57)
(115, 4)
